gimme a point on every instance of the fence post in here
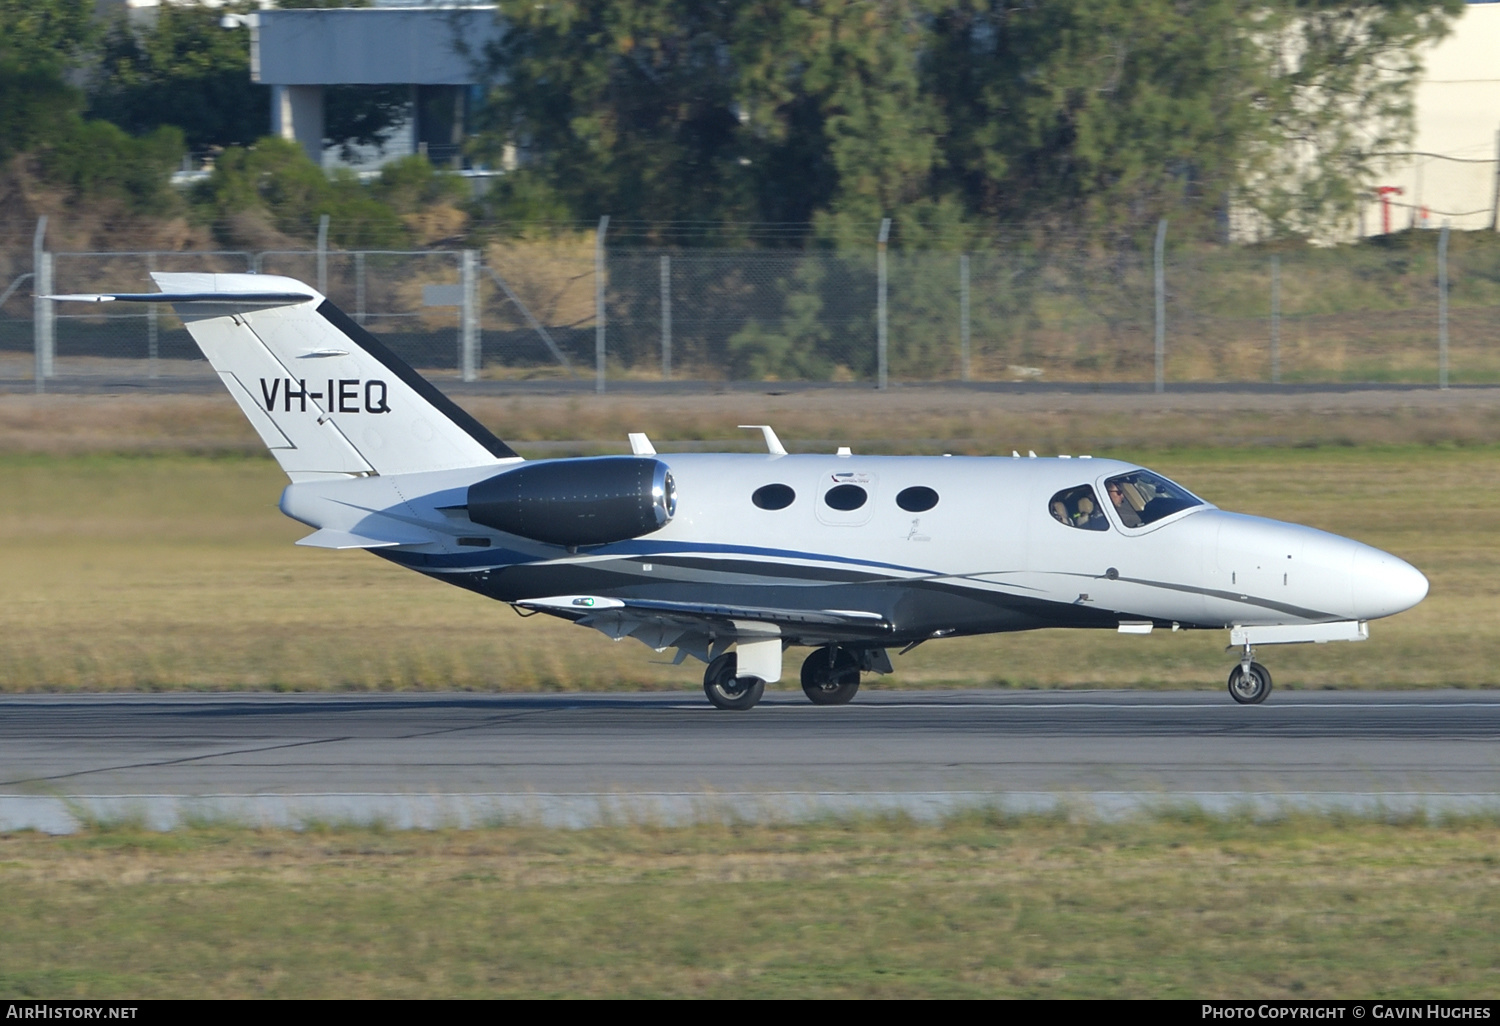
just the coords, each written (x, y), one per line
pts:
(1495, 201)
(666, 318)
(1443, 307)
(359, 288)
(1275, 320)
(152, 333)
(1161, 307)
(599, 303)
(881, 337)
(468, 314)
(963, 315)
(41, 310)
(323, 254)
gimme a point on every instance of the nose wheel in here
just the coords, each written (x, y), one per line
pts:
(830, 676)
(726, 690)
(1249, 683)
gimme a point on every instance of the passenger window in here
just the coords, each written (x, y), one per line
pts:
(1077, 507)
(1142, 497)
(773, 496)
(918, 499)
(845, 497)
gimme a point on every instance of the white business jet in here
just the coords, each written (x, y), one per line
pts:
(733, 557)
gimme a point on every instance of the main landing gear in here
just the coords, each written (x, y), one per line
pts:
(1249, 682)
(726, 690)
(830, 676)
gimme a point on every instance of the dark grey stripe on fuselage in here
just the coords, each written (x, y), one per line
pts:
(915, 608)
(1234, 596)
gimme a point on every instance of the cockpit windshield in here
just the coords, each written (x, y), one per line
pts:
(1141, 497)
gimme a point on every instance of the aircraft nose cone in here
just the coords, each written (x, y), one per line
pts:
(1384, 585)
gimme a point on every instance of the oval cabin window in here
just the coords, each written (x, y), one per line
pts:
(918, 499)
(773, 496)
(845, 497)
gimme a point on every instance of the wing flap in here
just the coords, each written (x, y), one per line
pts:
(328, 538)
(728, 616)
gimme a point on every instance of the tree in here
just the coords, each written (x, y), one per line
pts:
(1100, 113)
(624, 106)
(186, 70)
(50, 33)
(274, 181)
(1334, 94)
(1111, 113)
(34, 103)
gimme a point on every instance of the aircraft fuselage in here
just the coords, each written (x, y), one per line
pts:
(987, 556)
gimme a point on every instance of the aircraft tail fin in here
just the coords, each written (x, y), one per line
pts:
(325, 395)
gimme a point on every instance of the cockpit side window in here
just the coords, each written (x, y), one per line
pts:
(1078, 507)
(1142, 498)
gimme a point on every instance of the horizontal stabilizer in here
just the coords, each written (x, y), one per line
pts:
(327, 538)
(245, 299)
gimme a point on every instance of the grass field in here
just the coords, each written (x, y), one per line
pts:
(166, 571)
(1173, 906)
(140, 549)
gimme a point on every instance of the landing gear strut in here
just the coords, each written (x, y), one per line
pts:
(728, 691)
(1249, 682)
(830, 676)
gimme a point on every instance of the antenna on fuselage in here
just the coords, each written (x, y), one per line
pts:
(773, 444)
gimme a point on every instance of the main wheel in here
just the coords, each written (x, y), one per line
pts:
(728, 691)
(834, 684)
(1249, 688)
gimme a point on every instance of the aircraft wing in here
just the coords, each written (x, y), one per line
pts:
(697, 628)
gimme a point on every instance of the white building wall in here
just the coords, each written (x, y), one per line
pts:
(1457, 117)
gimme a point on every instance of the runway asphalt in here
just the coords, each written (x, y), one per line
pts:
(429, 759)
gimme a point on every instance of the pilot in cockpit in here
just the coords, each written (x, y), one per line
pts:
(1128, 516)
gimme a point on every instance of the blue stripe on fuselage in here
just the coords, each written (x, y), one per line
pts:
(510, 557)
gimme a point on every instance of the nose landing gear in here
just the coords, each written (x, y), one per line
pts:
(830, 676)
(1249, 682)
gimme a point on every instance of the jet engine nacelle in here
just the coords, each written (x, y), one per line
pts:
(578, 501)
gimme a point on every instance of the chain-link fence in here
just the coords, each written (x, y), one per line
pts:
(1383, 310)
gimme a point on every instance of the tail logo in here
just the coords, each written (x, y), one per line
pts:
(345, 395)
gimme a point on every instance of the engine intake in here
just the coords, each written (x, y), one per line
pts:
(579, 501)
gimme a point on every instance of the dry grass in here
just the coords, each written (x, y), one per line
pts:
(172, 571)
(905, 420)
(1183, 907)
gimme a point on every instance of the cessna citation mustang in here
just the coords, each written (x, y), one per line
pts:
(731, 558)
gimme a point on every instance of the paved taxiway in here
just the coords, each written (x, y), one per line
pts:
(948, 748)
